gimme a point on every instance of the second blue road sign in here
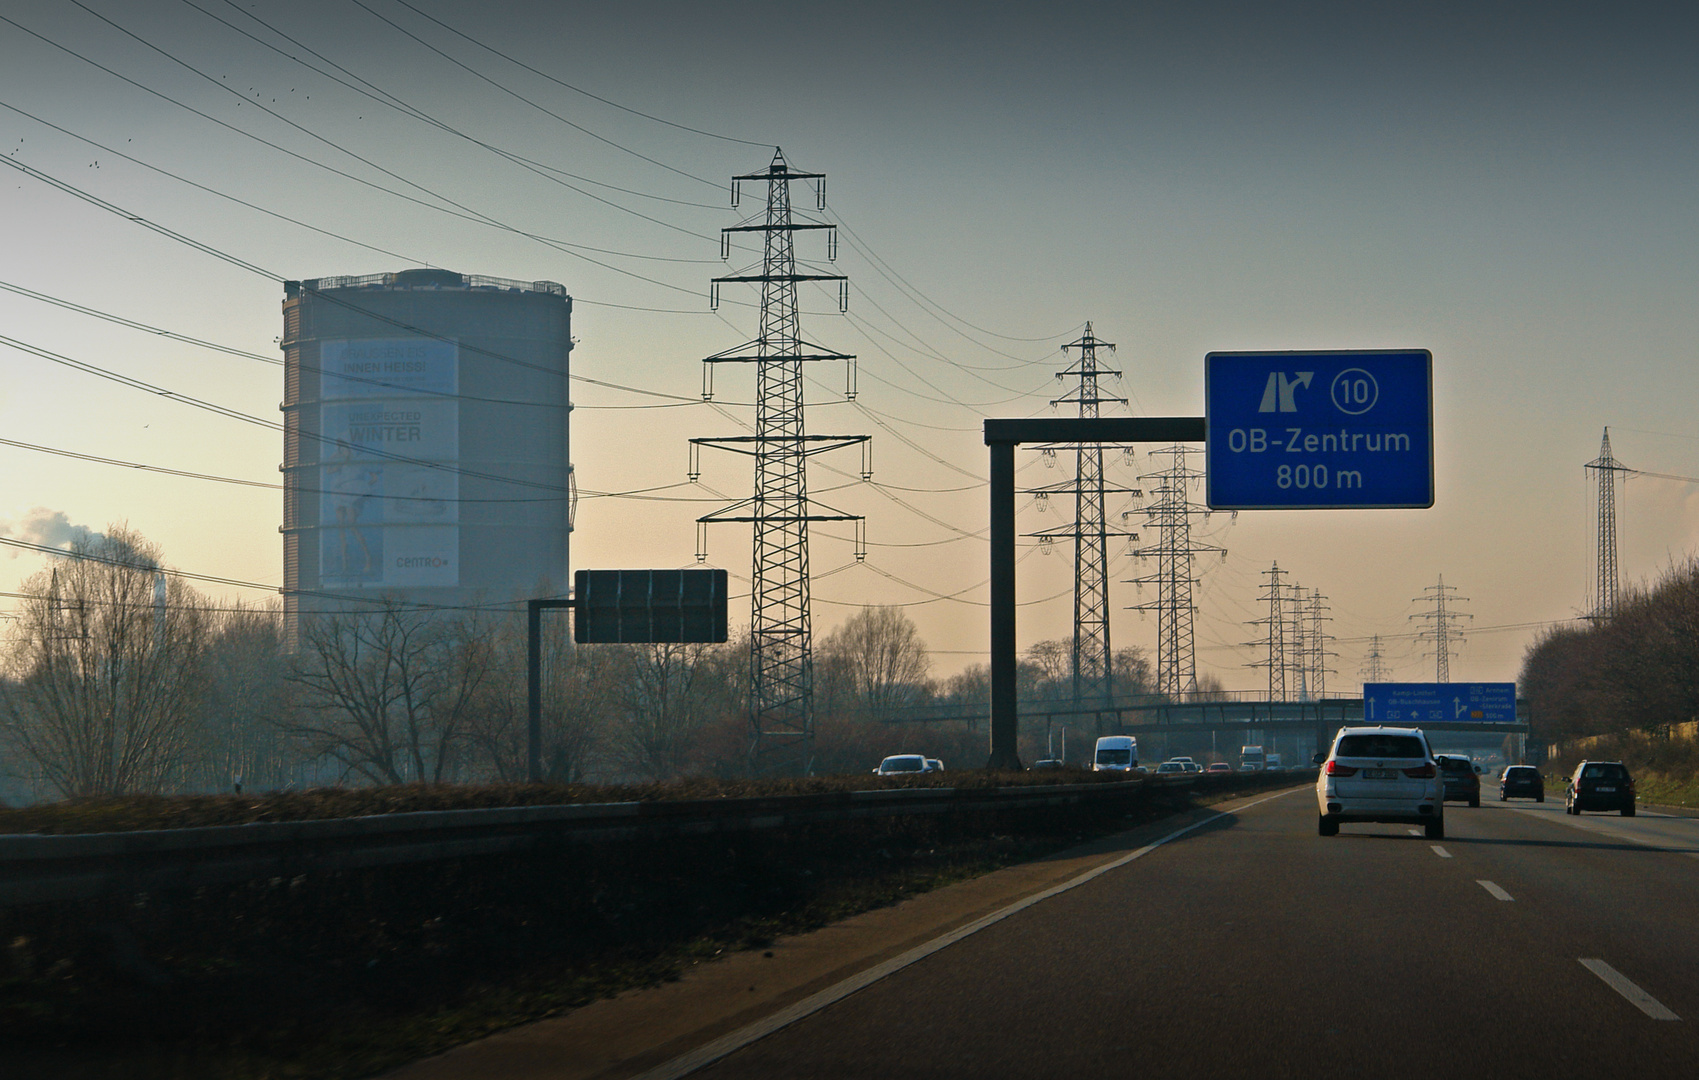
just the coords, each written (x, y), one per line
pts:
(1319, 430)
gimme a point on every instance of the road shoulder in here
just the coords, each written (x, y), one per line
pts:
(624, 1035)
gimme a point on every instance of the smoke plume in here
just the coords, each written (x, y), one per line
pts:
(49, 528)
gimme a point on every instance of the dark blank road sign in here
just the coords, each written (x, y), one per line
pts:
(1319, 430)
(1432, 704)
(649, 606)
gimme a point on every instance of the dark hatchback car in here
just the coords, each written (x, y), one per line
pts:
(1462, 783)
(1600, 785)
(1522, 782)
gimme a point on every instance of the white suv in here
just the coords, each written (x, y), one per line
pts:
(1381, 774)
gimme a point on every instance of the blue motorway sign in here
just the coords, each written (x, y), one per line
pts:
(1319, 430)
(1398, 704)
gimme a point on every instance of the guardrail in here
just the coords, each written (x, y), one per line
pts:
(41, 868)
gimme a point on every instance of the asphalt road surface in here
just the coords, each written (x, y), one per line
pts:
(1526, 944)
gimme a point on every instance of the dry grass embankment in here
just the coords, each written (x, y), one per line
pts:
(127, 813)
(1665, 768)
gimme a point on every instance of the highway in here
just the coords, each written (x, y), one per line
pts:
(1527, 943)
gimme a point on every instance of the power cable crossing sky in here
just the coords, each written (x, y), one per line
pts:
(175, 160)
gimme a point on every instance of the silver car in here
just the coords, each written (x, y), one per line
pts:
(905, 764)
(1381, 774)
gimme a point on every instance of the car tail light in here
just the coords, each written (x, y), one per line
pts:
(1336, 769)
(1421, 772)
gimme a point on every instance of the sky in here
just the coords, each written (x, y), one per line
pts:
(1507, 186)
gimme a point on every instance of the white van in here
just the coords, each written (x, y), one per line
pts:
(1116, 753)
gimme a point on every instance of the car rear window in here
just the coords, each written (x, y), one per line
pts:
(1521, 772)
(1457, 765)
(1603, 772)
(903, 764)
(1380, 746)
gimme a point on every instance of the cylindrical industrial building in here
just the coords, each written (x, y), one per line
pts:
(425, 451)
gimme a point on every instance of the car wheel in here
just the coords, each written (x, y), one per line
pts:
(1436, 829)
(1502, 797)
(1475, 802)
(1326, 826)
(1628, 811)
(1539, 798)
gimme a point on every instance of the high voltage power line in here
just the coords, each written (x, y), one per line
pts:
(1604, 469)
(1441, 625)
(1091, 658)
(781, 692)
(866, 252)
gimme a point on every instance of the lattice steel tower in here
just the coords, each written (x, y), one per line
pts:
(1316, 639)
(1440, 630)
(781, 707)
(1170, 512)
(1604, 469)
(1091, 658)
(1375, 668)
(1278, 630)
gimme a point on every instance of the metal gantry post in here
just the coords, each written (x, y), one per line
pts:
(534, 684)
(1001, 438)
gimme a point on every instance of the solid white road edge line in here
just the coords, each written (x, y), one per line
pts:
(1494, 889)
(1619, 982)
(1441, 852)
(707, 1054)
(1600, 830)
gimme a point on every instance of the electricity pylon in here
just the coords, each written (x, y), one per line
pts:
(781, 684)
(1092, 660)
(1440, 630)
(1375, 668)
(1604, 469)
(1170, 513)
(1297, 643)
(1315, 658)
(1278, 631)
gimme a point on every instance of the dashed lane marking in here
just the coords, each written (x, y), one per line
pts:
(1415, 832)
(1637, 997)
(1494, 889)
(1441, 852)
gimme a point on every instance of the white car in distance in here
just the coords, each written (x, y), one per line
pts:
(1381, 774)
(905, 765)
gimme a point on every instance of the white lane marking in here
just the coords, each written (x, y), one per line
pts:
(1494, 889)
(1415, 832)
(1619, 982)
(1441, 852)
(706, 1055)
(1597, 827)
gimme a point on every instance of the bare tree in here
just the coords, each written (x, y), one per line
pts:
(388, 692)
(664, 694)
(576, 700)
(248, 694)
(106, 662)
(882, 661)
